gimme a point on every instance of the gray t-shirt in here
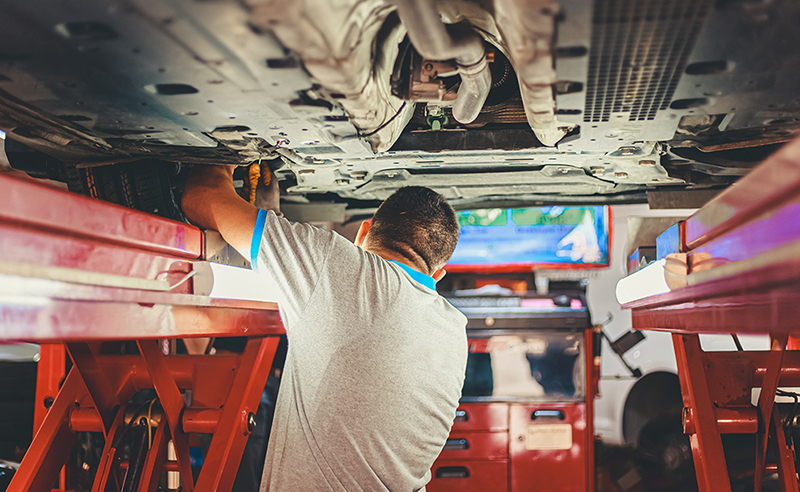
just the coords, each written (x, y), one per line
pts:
(374, 369)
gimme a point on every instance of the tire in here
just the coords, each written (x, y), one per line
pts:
(150, 186)
(665, 452)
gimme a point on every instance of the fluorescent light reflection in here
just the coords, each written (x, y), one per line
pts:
(227, 282)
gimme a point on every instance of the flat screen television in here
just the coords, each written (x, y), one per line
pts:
(520, 239)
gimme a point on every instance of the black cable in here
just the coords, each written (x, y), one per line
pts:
(130, 424)
(385, 123)
(787, 424)
(793, 396)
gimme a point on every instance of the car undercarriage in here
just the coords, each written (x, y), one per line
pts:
(491, 103)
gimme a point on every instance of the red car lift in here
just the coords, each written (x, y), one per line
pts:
(85, 275)
(743, 276)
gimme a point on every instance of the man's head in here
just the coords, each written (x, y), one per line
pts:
(416, 223)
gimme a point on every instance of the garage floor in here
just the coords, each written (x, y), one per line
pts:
(618, 469)
(624, 470)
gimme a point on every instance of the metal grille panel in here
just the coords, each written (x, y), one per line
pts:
(638, 53)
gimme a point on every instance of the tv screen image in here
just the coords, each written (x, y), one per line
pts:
(571, 237)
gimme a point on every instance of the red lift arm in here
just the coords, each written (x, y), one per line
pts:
(81, 274)
(743, 252)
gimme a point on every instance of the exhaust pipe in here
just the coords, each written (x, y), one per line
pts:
(528, 30)
(435, 41)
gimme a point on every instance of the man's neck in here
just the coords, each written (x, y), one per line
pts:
(394, 256)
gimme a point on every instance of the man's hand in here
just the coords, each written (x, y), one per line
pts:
(268, 197)
(210, 201)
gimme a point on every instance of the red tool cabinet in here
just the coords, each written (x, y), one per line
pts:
(475, 457)
(525, 422)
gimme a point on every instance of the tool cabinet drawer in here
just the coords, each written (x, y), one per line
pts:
(481, 417)
(469, 476)
(476, 445)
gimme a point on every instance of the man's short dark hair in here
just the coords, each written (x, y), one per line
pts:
(418, 219)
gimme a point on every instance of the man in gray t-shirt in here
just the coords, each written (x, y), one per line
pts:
(376, 357)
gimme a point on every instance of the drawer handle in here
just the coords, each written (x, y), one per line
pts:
(462, 416)
(452, 472)
(456, 444)
(548, 415)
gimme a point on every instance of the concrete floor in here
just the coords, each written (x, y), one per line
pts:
(625, 470)
(618, 469)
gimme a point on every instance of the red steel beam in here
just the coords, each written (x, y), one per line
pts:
(67, 291)
(787, 475)
(103, 395)
(172, 402)
(50, 371)
(49, 320)
(106, 470)
(227, 445)
(193, 420)
(201, 421)
(57, 249)
(156, 460)
(51, 444)
(741, 420)
(41, 207)
(709, 458)
(169, 465)
(776, 180)
(766, 402)
(773, 310)
(50, 227)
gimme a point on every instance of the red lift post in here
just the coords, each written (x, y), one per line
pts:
(85, 275)
(743, 276)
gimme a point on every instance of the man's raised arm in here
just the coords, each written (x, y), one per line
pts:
(210, 201)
